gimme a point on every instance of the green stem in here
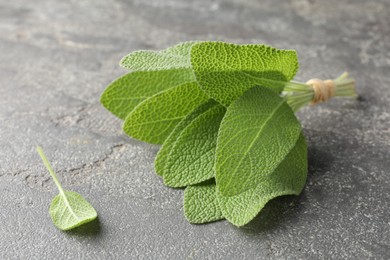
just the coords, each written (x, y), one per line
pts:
(300, 94)
(50, 169)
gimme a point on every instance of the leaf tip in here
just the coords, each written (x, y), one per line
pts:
(124, 61)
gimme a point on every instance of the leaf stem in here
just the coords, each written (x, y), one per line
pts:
(300, 94)
(50, 169)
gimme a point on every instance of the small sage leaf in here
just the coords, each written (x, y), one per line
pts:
(68, 209)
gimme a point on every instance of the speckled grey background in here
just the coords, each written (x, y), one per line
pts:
(56, 57)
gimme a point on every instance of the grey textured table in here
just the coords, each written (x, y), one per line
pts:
(56, 57)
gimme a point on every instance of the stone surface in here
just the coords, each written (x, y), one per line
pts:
(57, 57)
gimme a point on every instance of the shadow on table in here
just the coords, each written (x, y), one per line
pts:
(289, 208)
(91, 229)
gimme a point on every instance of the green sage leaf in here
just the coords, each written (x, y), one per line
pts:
(225, 71)
(176, 57)
(169, 143)
(68, 209)
(191, 159)
(288, 178)
(256, 134)
(201, 204)
(126, 92)
(153, 72)
(154, 119)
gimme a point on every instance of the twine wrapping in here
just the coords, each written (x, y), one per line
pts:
(323, 90)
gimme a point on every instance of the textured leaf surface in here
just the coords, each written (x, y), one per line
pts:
(257, 133)
(162, 156)
(154, 119)
(288, 179)
(191, 159)
(69, 210)
(200, 203)
(126, 92)
(176, 57)
(225, 71)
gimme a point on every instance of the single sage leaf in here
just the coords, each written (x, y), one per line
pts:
(162, 155)
(225, 71)
(191, 159)
(68, 209)
(256, 134)
(154, 119)
(289, 178)
(176, 57)
(126, 92)
(200, 203)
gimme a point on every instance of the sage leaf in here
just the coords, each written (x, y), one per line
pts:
(163, 154)
(201, 204)
(176, 57)
(154, 119)
(126, 92)
(191, 159)
(153, 72)
(225, 71)
(68, 209)
(288, 178)
(256, 134)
